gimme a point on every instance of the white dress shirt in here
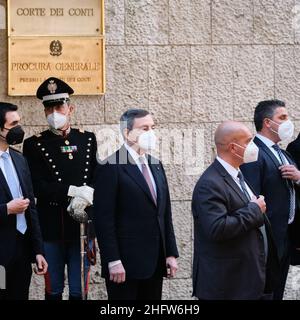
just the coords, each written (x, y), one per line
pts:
(269, 143)
(234, 174)
(139, 160)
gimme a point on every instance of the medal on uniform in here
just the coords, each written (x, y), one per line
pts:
(69, 150)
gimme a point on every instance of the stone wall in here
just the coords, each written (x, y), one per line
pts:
(192, 64)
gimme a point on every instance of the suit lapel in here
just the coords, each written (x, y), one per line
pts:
(4, 184)
(289, 157)
(267, 151)
(229, 180)
(134, 172)
(18, 167)
(249, 185)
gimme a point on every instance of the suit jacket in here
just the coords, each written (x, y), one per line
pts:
(265, 178)
(128, 224)
(54, 169)
(229, 255)
(294, 150)
(8, 231)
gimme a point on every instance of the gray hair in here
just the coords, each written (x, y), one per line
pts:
(127, 118)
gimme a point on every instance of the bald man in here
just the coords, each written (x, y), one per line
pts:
(234, 252)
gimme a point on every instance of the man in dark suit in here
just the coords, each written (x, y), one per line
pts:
(276, 177)
(133, 220)
(234, 255)
(20, 235)
(294, 150)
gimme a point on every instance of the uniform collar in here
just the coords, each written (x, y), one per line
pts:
(59, 132)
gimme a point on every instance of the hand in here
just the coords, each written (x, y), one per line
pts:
(289, 171)
(41, 265)
(260, 201)
(17, 206)
(171, 266)
(117, 273)
(77, 204)
(85, 192)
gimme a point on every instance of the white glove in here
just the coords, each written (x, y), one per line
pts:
(84, 192)
(77, 204)
(76, 209)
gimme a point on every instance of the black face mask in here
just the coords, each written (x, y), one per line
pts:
(15, 135)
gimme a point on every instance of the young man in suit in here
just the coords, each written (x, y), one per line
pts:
(20, 235)
(276, 177)
(234, 255)
(133, 219)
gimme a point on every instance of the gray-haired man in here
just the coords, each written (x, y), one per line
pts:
(133, 219)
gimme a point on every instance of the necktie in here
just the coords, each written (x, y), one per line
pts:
(146, 175)
(262, 228)
(243, 185)
(289, 184)
(14, 187)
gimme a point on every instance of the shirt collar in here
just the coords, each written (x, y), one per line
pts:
(228, 167)
(268, 142)
(7, 151)
(59, 132)
(135, 156)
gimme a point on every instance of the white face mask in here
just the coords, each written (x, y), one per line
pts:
(250, 154)
(57, 120)
(147, 140)
(285, 130)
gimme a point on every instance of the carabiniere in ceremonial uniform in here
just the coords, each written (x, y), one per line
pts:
(60, 161)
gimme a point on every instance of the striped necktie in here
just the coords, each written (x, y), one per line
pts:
(289, 184)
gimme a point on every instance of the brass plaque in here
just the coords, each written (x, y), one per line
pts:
(77, 60)
(55, 17)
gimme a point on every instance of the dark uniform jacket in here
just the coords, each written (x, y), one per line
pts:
(56, 162)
